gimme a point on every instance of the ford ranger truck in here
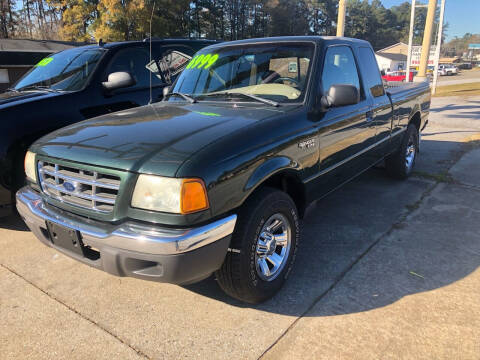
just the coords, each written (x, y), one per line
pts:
(214, 179)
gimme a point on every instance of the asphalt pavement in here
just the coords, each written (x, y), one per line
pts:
(386, 269)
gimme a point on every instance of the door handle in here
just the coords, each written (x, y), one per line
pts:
(369, 115)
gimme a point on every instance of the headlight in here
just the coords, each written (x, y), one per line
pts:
(179, 196)
(30, 168)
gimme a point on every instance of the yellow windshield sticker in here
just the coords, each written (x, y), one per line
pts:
(204, 113)
(45, 62)
(202, 61)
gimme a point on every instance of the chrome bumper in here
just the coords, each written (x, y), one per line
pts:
(129, 236)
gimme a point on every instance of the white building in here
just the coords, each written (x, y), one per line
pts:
(391, 62)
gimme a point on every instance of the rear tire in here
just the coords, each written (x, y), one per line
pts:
(263, 247)
(400, 164)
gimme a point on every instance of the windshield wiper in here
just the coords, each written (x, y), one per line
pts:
(190, 99)
(250, 96)
(38, 87)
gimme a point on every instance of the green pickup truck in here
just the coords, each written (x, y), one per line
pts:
(215, 178)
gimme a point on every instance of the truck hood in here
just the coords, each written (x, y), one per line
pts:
(153, 139)
(13, 98)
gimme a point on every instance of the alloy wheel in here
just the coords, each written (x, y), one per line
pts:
(273, 247)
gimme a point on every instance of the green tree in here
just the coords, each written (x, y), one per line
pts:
(112, 20)
(322, 15)
(458, 46)
(8, 19)
(122, 20)
(288, 17)
(77, 16)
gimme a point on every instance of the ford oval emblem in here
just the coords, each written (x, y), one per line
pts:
(69, 186)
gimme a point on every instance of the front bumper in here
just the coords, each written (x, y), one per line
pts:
(135, 249)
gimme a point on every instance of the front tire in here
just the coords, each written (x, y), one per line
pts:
(263, 247)
(400, 164)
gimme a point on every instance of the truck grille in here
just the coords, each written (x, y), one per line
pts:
(87, 189)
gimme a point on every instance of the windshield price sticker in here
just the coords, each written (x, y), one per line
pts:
(206, 113)
(45, 62)
(202, 61)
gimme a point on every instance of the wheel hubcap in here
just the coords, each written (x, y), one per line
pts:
(410, 154)
(273, 247)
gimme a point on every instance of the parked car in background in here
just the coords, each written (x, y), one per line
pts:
(398, 75)
(465, 66)
(215, 178)
(447, 70)
(77, 84)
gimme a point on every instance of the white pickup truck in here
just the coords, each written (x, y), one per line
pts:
(447, 70)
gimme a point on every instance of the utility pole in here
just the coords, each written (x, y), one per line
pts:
(410, 40)
(341, 18)
(427, 40)
(439, 45)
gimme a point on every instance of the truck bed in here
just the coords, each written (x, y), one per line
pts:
(408, 99)
(396, 88)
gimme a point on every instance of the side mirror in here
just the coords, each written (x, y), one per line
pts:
(118, 80)
(382, 72)
(341, 95)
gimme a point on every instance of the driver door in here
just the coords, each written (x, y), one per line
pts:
(135, 61)
(346, 133)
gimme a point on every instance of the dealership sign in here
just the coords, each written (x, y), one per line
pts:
(417, 52)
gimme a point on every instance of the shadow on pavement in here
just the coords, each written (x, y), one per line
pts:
(445, 132)
(455, 107)
(465, 115)
(13, 222)
(437, 247)
(463, 111)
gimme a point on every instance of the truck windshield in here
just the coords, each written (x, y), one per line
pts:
(68, 70)
(277, 72)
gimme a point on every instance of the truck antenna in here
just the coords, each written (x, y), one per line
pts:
(151, 19)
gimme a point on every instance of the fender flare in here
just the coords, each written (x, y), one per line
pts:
(413, 112)
(267, 169)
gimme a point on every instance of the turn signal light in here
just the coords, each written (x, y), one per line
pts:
(194, 196)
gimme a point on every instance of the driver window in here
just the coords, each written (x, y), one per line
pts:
(339, 68)
(135, 61)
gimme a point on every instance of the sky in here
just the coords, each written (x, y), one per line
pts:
(462, 15)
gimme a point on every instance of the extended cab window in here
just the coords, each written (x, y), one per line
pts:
(172, 63)
(373, 80)
(339, 68)
(135, 61)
